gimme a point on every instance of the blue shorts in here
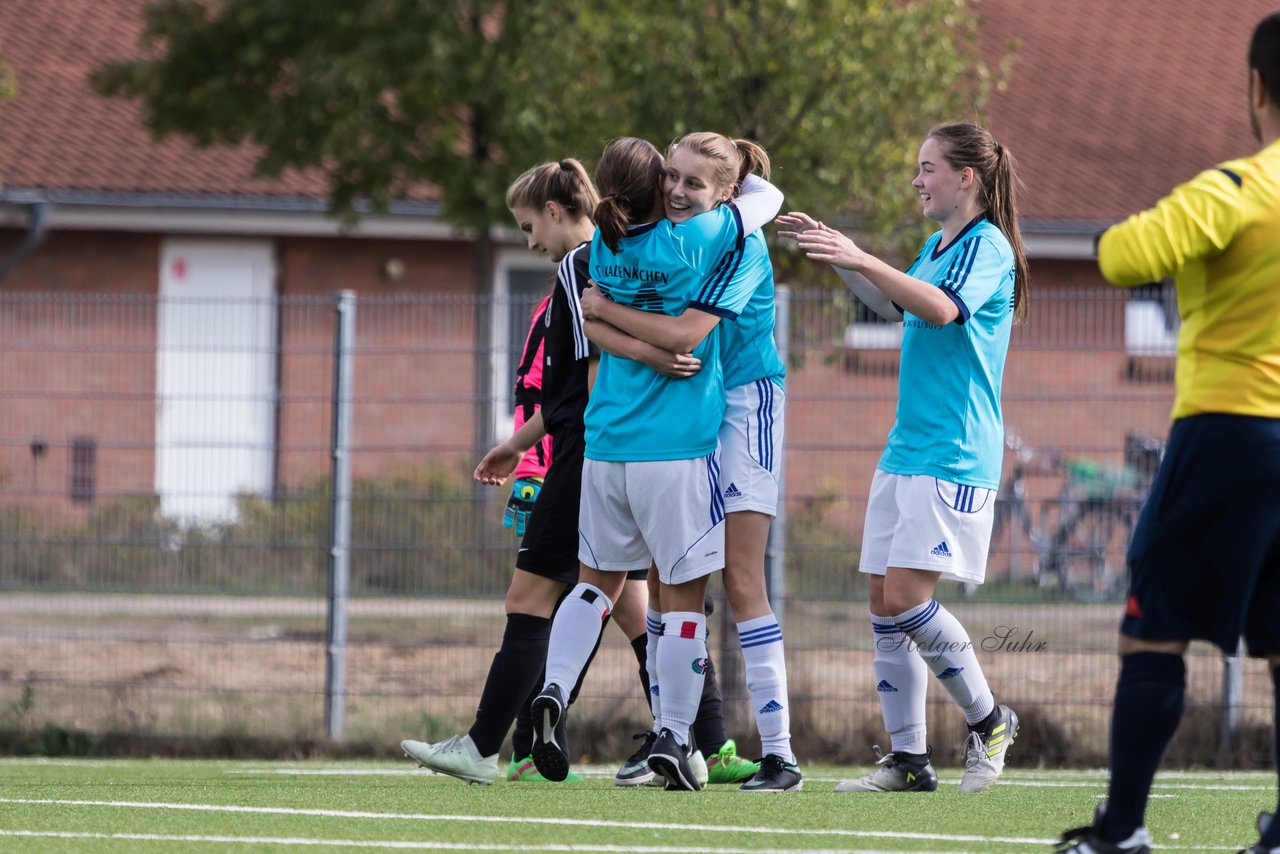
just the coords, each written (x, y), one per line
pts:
(1205, 558)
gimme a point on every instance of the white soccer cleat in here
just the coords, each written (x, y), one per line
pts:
(456, 756)
(985, 751)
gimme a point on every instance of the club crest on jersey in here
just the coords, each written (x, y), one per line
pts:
(700, 665)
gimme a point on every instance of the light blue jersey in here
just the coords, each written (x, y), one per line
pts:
(750, 353)
(635, 414)
(949, 423)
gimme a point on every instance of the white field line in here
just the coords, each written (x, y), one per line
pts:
(1008, 782)
(560, 822)
(401, 844)
(890, 835)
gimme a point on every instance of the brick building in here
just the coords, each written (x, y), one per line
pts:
(1109, 103)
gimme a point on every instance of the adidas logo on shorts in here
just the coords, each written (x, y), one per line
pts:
(771, 706)
(941, 550)
(732, 492)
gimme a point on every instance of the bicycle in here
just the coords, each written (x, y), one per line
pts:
(1080, 538)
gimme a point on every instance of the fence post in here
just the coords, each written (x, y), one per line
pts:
(335, 677)
(776, 551)
(1232, 700)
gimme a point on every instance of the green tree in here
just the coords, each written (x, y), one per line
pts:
(387, 96)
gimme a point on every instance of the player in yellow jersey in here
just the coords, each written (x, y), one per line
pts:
(1205, 557)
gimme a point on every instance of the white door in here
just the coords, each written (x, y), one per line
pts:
(215, 376)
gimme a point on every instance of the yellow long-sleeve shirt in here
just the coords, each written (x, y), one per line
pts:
(1218, 236)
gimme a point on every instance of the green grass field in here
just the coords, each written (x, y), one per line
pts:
(163, 806)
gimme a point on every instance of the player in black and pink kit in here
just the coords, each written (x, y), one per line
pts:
(552, 204)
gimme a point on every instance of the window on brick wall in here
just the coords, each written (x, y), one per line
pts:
(82, 477)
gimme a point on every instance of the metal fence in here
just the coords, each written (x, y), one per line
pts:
(180, 481)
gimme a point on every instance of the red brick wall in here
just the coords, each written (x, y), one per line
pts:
(88, 369)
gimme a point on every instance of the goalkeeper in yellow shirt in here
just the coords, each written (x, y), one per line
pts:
(1205, 557)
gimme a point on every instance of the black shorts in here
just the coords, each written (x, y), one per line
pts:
(1205, 558)
(550, 544)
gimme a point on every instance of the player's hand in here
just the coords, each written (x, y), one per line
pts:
(524, 492)
(795, 222)
(498, 465)
(591, 298)
(821, 242)
(678, 366)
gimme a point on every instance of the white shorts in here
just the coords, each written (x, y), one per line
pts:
(751, 447)
(921, 522)
(667, 511)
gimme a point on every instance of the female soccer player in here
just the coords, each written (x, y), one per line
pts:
(552, 204)
(705, 170)
(651, 478)
(929, 513)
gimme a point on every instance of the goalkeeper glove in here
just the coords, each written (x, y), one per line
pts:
(523, 493)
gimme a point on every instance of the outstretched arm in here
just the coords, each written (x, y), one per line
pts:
(862, 288)
(922, 299)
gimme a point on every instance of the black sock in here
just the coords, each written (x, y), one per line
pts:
(707, 733)
(512, 675)
(640, 646)
(1148, 706)
(1271, 838)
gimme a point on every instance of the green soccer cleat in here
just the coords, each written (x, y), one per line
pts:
(726, 766)
(524, 771)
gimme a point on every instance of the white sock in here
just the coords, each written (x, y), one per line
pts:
(682, 662)
(945, 647)
(902, 682)
(762, 653)
(653, 630)
(574, 632)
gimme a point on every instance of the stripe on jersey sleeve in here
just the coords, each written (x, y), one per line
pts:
(568, 278)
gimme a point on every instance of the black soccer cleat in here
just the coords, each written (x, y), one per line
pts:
(550, 753)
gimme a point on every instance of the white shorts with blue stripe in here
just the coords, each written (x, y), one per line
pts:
(751, 447)
(922, 522)
(669, 511)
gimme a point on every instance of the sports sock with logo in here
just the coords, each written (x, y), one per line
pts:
(945, 647)
(707, 733)
(1148, 706)
(653, 631)
(682, 659)
(1271, 838)
(513, 675)
(762, 655)
(902, 683)
(575, 631)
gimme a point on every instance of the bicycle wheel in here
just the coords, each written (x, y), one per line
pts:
(1088, 550)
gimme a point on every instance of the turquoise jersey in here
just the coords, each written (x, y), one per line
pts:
(636, 414)
(948, 422)
(750, 353)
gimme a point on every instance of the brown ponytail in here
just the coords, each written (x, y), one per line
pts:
(628, 175)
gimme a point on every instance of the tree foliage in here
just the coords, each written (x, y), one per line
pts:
(388, 95)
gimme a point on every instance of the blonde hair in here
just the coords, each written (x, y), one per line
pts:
(732, 159)
(564, 182)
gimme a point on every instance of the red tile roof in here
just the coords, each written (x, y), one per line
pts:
(58, 134)
(1110, 103)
